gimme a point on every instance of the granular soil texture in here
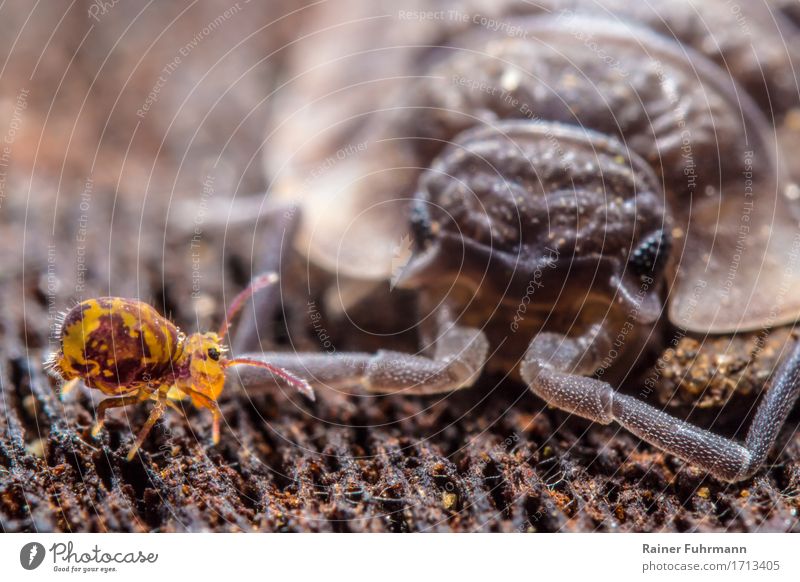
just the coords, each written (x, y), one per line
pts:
(486, 459)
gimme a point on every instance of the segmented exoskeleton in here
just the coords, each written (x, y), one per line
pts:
(609, 166)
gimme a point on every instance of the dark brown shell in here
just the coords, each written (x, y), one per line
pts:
(354, 151)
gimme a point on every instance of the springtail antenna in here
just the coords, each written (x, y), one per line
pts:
(259, 283)
(300, 384)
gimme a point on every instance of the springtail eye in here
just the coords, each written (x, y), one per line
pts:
(214, 354)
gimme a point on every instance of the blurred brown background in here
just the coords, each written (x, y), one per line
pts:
(114, 116)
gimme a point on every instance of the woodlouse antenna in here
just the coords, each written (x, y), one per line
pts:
(259, 283)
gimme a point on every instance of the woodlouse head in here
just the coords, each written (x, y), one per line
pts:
(574, 207)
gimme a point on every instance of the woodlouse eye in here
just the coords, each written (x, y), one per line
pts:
(213, 353)
(650, 256)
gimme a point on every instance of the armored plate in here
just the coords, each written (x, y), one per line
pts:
(378, 94)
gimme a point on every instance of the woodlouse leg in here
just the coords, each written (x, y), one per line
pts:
(553, 379)
(156, 413)
(100, 417)
(460, 354)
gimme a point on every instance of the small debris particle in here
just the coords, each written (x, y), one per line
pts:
(449, 500)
